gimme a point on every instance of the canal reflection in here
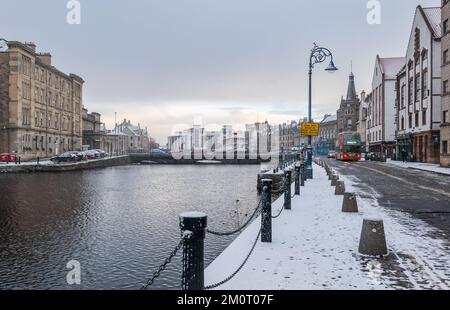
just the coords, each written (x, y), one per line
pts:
(119, 223)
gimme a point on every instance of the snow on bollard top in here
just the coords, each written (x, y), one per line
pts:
(192, 214)
(373, 218)
(266, 180)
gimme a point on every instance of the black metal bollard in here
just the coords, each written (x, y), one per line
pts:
(266, 216)
(305, 174)
(193, 250)
(297, 180)
(302, 174)
(287, 189)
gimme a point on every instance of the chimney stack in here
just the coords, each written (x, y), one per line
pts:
(31, 45)
(46, 58)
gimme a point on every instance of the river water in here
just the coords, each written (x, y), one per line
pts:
(120, 223)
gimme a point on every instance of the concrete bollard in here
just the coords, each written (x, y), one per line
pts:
(373, 238)
(340, 188)
(350, 204)
(334, 179)
(330, 175)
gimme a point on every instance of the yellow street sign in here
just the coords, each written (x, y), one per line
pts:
(310, 129)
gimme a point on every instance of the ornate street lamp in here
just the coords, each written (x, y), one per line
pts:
(318, 55)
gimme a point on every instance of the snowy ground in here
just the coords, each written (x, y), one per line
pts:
(421, 166)
(315, 246)
(42, 162)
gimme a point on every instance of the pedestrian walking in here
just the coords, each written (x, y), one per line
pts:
(404, 154)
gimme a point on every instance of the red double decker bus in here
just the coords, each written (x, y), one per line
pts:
(348, 146)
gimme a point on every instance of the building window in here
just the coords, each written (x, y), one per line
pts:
(445, 117)
(403, 123)
(417, 93)
(425, 84)
(424, 118)
(410, 121)
(410, 90)
(445, 87)
(445, 57)
(445, 26)
(402, 98)
(444, 147)
(416, 119)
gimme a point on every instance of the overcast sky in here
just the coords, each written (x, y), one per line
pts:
(166, 62)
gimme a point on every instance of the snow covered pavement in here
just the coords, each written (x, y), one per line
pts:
(315, 246)
(421, 166)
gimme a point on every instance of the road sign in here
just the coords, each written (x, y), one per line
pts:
(310, 129)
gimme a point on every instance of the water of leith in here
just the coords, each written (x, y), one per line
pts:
(119, 223)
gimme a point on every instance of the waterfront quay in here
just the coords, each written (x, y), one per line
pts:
(315, 245)
(138, 158)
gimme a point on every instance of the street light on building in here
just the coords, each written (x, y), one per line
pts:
(318, 55)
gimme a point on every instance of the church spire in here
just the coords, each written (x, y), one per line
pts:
(351, 92)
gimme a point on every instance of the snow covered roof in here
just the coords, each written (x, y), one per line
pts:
(329, 119)
(433, 16)
(391, 66)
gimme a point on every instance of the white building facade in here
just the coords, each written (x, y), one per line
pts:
(419, 88)
(381, 110)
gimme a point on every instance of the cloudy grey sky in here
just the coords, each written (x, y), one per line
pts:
(166, 62)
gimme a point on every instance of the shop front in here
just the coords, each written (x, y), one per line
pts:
(405, 147)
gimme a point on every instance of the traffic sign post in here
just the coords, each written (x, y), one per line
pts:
(310, 129)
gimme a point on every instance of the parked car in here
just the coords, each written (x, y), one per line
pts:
(7, 158)
(79, 156)
(101, 153)
(65, 158)
(90, 154)
(331, 154)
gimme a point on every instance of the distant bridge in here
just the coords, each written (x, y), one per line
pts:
(147, 158)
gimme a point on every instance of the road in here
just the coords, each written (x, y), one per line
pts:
(424, 195)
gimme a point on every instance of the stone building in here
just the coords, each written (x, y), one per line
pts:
(327, 135)
(94, 131)
(419, 88)
(290, 135)
(131, 138)
(348, 113)
(361, 125)
(40, 106)
(445, 125)
(381, 122)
